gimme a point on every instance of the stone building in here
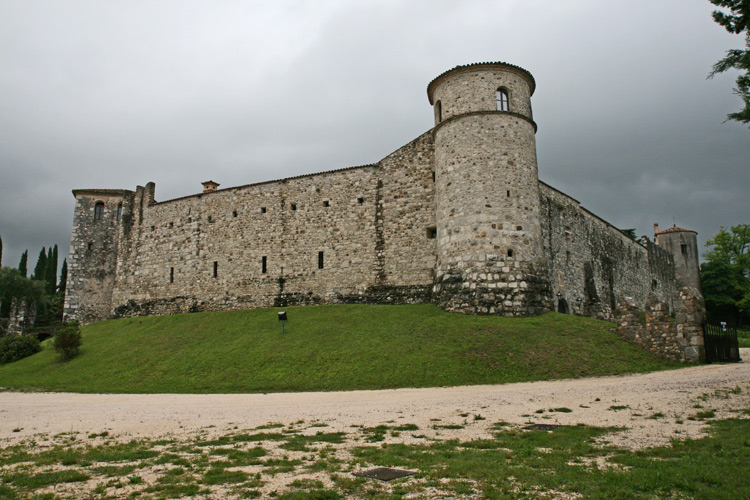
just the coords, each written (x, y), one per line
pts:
(457, 217)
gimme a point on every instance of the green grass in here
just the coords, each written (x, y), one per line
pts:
(338, 347)
(569, 462)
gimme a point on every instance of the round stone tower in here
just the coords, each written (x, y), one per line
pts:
(683, 245)
(490, 258)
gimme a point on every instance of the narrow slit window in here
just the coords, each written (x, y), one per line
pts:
(320, 260)
(171, 274)
(90, 246)
(433, 176)
(263, 265)
(216, 269)
(438, 112)
(683, 249)
(507, 193)
(501, 98)
(99, 210)
(510, 252)
(119, 211)
(234, 213)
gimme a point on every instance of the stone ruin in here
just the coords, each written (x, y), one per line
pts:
(679, 338)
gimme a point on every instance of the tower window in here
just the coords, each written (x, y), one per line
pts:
(262, 210)
(234, 213)
(119, 211)
(326, 203)
(433, 176)
(507, 193)
(501, 98)
(99, 210)
(90, 246)
(438, 112)
(431, 233)
(320, 260)
(171, 274)
(360, 200)
(510, 252)
(263, 265)
(216, 269)
(293, 206)
(683, 248)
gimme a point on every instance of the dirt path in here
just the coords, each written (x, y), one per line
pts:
(654, 407)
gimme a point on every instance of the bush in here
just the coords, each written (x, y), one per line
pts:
(68, 341)
(15, 347)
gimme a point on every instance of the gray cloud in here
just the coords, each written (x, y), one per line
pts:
(116, 94)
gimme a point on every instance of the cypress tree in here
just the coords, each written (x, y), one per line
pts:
(40, 271)
(22, 265)
(1, 251)
(64, 276)
(51, 271)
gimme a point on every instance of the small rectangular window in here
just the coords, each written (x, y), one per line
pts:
(293, 206)
(171, 274)
(360, 200)
(90, 246)
(119, 211)
(234, 213)
(433, 176)
(519, 228)
(683, 248)
(263, 265)
(510, 252)
(507, 193)
(99, 210)
(171, 225)
(210, 220)
(216, 269)
(262, 210)
(326, 203)
(320, 260)
(431, 233)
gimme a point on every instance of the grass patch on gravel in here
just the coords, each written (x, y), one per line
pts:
(511, 463)
(333, 347)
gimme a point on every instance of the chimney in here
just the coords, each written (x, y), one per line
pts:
(656, 228)
(210, 186)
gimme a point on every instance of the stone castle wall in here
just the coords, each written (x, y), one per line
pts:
(457, 217)
(591, 260)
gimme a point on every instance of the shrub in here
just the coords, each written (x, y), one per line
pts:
(68, 341)
(15, 347)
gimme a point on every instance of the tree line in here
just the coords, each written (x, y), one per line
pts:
(43, 286)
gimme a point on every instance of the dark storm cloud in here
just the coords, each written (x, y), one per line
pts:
(116, 94)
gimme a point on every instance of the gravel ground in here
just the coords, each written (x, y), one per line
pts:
(654, 407)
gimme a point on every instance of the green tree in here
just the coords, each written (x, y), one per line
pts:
(14, 284)
(1, 251)
(22, 266)
(51, 271)
(40, 270)
(725, 276)
(63, 276)
(736, 21)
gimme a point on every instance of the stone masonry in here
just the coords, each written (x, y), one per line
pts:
(679, 338)
(457, 216)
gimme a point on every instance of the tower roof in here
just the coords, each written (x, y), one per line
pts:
(676, 229)
(471, 67)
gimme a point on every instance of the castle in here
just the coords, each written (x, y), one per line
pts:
(457, 217)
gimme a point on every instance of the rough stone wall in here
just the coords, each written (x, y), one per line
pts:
(679, 339)
(22, 315)
(487, 195)
(590, 260)
(93, 255)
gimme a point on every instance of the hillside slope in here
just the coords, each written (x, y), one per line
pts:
(324, 348)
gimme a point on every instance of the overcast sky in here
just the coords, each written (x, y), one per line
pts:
(114, 94)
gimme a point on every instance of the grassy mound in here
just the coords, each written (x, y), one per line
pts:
(325, 348)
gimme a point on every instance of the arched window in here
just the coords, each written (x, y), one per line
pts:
(99, 210)
(438, 112)
(119, 211)
(501, 96)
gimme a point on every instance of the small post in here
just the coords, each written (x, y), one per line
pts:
(282, 318)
